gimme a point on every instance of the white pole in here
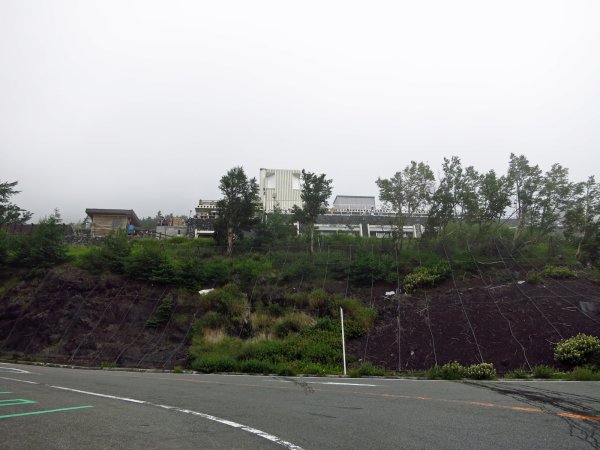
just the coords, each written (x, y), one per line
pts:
(343, 340)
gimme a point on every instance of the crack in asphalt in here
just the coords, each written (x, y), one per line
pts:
(550, 402)
(303, 384)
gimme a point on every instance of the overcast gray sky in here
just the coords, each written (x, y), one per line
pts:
(145, 104)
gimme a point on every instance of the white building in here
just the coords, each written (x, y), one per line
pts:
(280, 188)
(206, 209)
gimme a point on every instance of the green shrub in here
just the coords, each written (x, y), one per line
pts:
(150, 263)
(577, 350)
(481, 371)
(358, 318)
(315, 369)
(93, 260)
(267, 350)
(192, 273)
(162, 314)
(533, 276)
(248, 268)
(211, 320)
(542, 371)
(314, 345)
(110, 256)
(559, 272)
(449, 371)
(44, 247)
(115, 248)
(519, 373)
(302, 267)
(218, 272)
(297, 300)
(256, 366)
(211, 364)
(453, 371)
(227, 346)
(275, 309)
(426, 276)
(366, 369)
(5, 242)
(318, 299)
(285, 370)
(434, 373)
(366, 268)
(228, 301)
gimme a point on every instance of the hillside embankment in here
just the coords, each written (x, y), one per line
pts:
(71, 316)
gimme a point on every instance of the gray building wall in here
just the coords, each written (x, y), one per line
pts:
(281, 188)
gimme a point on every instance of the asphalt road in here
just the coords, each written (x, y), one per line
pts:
(60, 408)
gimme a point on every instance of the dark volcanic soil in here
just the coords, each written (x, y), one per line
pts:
(73, 317)
(512, 324)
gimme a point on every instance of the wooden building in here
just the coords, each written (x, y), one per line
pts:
(106, 221)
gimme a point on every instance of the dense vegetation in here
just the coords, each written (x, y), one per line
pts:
(272, 308)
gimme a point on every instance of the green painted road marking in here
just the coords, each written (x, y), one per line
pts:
(15, 401)
(44, 412)
(5, 392)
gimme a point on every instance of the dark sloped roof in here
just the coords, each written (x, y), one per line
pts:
(130, 213)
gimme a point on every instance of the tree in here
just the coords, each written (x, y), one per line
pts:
(275, 228)
(555, 196)
(45, 246)
(581, 219)
(485, 197)
(494, 197)
(447, 198)
(10, 213)
(407, 192)
(239, 208)
(316, 190)
(525, 181)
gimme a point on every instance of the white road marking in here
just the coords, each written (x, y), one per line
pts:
(20, 381)
(254, 431)
(11, 369)
(125, 399)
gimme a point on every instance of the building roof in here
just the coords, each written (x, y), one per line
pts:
(354, 202)
(130, 213)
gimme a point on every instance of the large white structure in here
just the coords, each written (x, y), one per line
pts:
(206, 209)
(280, 188)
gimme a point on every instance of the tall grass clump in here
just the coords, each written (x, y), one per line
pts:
(542, 371)
(366, 369)
(585, 373)
(227, 305)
